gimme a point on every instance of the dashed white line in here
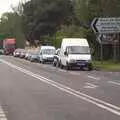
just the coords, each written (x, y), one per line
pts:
(62, 70)
(115, 83)
(2, 114)
(90, 86)
(74, 73)
(92, 77)
(99, 103)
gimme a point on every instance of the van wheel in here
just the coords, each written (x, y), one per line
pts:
(58, 64)
(54, 64)
(68, 67)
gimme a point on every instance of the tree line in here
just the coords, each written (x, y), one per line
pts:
(48, 21)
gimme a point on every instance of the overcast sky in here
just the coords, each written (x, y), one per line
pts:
(5, 5)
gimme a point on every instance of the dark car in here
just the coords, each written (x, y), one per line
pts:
(34, 57)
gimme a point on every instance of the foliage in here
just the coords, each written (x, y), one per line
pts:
(11, 27)
(43, 17)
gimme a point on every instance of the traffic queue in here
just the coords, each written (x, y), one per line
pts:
(74, 52)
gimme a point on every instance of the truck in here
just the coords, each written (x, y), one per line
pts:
(75, 52)
(9, 46)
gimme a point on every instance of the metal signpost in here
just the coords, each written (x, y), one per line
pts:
(107, 31)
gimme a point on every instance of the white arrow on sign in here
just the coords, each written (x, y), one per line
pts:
(108, 25)
(99, 38)
(105, 39)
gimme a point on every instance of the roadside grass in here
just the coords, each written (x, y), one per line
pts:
(106, 65)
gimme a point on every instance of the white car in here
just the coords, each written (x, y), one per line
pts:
(17, 52)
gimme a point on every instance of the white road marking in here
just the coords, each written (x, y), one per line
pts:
(74, 73)
(53, 68)
(115, 83)
(2, 114)
(90, 85)
(62, 70)
(92, 77)
(101, 104)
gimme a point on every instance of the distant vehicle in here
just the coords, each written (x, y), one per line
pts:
(1, 51)
(22, 53)
(9, 46)
(34, 57)
(17, 52)
(47, 54)
(27, 55)
(56, 58)
(75, 52)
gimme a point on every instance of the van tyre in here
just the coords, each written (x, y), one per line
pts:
(54, 64)
(68, 67)
(58, 64)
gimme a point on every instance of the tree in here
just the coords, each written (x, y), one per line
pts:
(43, 17)
(11, 26)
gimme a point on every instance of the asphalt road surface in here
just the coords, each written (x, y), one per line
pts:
(32, 91)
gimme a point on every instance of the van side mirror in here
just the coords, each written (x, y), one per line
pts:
(65, 53)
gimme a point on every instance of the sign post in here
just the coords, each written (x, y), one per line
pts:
(107, 30)
(101, 53)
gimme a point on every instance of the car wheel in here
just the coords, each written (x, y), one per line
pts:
(57, 64)
(31, 60)
(42, 62)
(61, 66)
(54, 64)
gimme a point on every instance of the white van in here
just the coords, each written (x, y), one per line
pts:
(47, 54)
(75, 52)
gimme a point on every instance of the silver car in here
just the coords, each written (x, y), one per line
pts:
(34, 57)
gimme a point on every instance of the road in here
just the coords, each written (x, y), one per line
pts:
(32, 91)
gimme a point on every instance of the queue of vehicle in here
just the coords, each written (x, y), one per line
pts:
(74, 52)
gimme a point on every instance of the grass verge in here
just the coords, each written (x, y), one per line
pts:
(106, 65)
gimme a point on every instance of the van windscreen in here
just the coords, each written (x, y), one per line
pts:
(48, 51)
(78, 50)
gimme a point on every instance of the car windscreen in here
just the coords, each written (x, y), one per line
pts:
(78, 50)
(48, 52)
